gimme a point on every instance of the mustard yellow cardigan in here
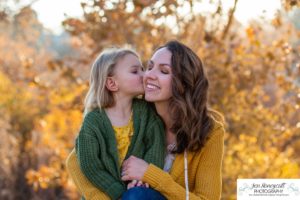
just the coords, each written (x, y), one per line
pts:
(204, 173)
(84, 186)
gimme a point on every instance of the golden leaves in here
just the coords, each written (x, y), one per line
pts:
(253, 77)
(45, 177)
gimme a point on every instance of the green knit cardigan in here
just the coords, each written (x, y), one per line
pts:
(96, 146)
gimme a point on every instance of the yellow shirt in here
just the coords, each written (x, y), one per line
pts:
(123, 137)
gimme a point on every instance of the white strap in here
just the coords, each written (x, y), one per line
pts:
(186, 179)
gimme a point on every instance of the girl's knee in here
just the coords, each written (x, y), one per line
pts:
(142, 193)
(133, 194)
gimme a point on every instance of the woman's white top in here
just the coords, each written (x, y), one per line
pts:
(169, 162)
(170, 157)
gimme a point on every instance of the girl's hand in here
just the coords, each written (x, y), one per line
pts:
(132, 184)
(134, 169)
(136, 183)
(142, 184)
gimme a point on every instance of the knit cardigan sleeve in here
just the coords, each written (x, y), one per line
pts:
(88, 149)
(155, 144)
(208, 180)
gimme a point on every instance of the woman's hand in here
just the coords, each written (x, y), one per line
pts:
(134, 169)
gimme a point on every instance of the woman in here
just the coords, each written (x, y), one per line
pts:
(176, 83)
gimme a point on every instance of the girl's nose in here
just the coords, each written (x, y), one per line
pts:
(142, 73)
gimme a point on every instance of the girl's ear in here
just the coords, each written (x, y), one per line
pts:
(111, 84)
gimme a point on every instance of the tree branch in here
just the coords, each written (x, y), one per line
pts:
(231, 14)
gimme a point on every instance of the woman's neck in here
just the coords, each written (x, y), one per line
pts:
(163, 112)
(120, 113)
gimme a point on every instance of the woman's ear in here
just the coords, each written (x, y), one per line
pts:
(111, 84)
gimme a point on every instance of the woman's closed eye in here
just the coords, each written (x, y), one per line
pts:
(163, 68)
(164, 71)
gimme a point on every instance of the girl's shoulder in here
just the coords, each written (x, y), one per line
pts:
(145, 111)
(93, 116)
(142, 105)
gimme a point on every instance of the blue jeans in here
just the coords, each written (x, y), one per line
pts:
(138, 193)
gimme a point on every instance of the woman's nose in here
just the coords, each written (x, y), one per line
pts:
(150, 74)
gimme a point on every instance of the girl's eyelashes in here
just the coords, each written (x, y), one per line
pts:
(137, 69)
(149, 66)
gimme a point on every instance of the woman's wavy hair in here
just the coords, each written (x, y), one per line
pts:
(188, 105)
(98, 95)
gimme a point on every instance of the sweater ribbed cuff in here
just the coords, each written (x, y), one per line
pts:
(155, 176)
(115, 191)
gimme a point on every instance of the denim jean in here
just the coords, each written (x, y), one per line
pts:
(142, 193)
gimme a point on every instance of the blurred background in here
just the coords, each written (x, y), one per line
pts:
(251, 50)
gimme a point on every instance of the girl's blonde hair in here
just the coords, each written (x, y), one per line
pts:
(98, 95)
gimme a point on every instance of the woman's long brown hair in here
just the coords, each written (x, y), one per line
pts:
(188, 106)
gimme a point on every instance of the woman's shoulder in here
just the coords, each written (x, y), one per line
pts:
(218, 122)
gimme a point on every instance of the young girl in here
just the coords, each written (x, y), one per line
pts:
(115, 126)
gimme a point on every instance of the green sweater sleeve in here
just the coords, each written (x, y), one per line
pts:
(155, 137)
(88, 151)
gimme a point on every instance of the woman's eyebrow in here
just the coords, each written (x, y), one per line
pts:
(164, 64)
(160, 64)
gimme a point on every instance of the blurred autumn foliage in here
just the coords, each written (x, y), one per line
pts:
(254, 72)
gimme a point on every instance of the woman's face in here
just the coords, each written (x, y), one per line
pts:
(157, 77)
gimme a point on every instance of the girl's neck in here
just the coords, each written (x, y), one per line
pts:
(120, 113)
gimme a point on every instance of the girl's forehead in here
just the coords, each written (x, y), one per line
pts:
(130, 58)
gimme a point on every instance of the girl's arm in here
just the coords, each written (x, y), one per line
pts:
(155, 144)
(85, 187)
(88, 151)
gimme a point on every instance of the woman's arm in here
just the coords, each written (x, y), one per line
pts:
(208, 180)
(85, 187)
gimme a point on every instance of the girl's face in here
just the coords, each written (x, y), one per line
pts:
(157, 77)
(128, 74)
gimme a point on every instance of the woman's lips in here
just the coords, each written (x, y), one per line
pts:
(151, 87)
